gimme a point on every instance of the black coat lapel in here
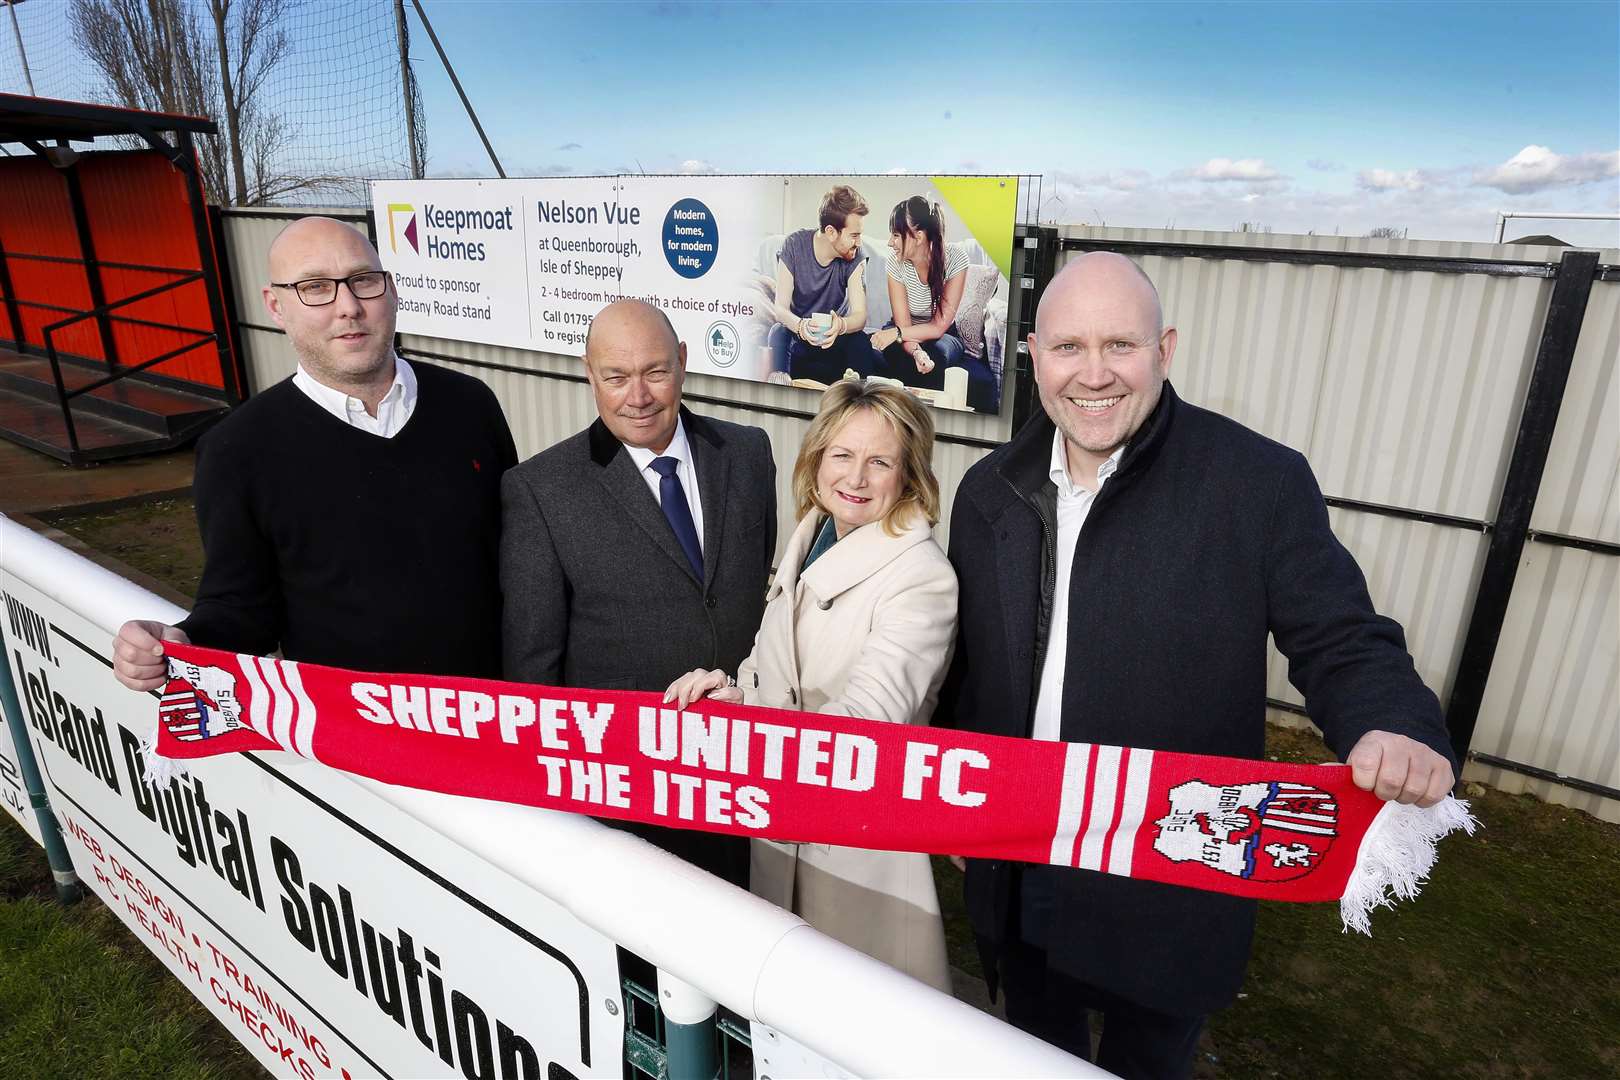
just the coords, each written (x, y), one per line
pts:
(625, 485)
(1018, 555)
(1019, 543)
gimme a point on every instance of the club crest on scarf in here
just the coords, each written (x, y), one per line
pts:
(200, 702)
(1259, 832)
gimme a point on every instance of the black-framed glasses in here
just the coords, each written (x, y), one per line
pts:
(320, 291)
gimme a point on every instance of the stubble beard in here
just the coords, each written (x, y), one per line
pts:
(320, 362)
(1096, 443)
(1093, 447)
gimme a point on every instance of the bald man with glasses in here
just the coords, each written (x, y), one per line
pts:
(350, 515)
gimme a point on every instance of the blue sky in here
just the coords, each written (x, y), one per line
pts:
(1301, 117)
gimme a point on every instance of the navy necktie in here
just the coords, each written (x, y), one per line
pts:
(673, 499)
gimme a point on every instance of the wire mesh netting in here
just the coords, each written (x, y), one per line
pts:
(319, 85)
(47, 40)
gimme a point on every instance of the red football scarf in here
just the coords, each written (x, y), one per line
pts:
(1263, 829)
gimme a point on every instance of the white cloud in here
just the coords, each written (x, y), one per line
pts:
(1226, 206)
(1112, 180)
(695, 166)
(898, 170)
(1252, 170)
(1439, 203)
(1537, 168)
(1389, 180)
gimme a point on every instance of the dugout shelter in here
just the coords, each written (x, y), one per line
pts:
(114, 338)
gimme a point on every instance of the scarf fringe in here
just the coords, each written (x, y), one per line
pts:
(160, 770)
(1396, 857)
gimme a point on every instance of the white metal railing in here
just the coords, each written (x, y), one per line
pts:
(1502, 217)
(718, 942)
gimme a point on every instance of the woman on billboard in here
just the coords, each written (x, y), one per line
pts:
(859, 621)
(926, 280)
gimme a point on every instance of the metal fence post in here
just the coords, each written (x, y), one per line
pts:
(689, 1031)
(1542, 399)
(92, 265)
(13, 313)
(68, 889)
(1040, 248)
(184, 158)
(236, 379)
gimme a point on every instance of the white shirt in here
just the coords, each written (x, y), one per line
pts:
(1073, 507)
(393, 410)
(681, 451)
(919, 300)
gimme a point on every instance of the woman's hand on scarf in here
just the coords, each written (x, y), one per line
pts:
(698, 683)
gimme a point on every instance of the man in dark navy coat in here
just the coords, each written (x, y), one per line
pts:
(1143, 549)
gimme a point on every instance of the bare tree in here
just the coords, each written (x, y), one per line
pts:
(147, 59)
(1387, 232)
(260, 46)
(155, 54)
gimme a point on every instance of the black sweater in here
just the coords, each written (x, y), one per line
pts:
(344, 548)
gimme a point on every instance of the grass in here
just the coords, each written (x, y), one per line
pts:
(1507, 966)
(158, 538)
(81, 997)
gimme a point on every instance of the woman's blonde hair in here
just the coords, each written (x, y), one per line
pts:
(910, 420)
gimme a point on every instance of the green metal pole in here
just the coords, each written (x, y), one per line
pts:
(689, 1030)
(68, 889)
(692, 1051)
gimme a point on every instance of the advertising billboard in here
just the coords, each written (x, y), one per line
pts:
(797, 280)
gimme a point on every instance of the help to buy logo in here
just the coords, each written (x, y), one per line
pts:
(408, 212)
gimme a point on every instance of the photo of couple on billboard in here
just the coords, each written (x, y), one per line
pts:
(899, 291)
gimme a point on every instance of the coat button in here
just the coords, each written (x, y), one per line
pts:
(824, 604)
(709, 601)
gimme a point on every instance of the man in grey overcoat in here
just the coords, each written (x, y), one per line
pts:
(640, 548)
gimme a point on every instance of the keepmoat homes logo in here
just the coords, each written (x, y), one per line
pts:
(395, 210)
(438, 221)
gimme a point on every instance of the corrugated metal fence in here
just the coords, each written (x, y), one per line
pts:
(1404, 383)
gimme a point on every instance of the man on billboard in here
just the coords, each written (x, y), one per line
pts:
(821, 294)
(1142, 550)
(639, 548)
(350, 514)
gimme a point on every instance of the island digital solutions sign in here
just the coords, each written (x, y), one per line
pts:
(529, 263)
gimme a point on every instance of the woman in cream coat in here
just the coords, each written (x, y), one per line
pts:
(859, 621)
